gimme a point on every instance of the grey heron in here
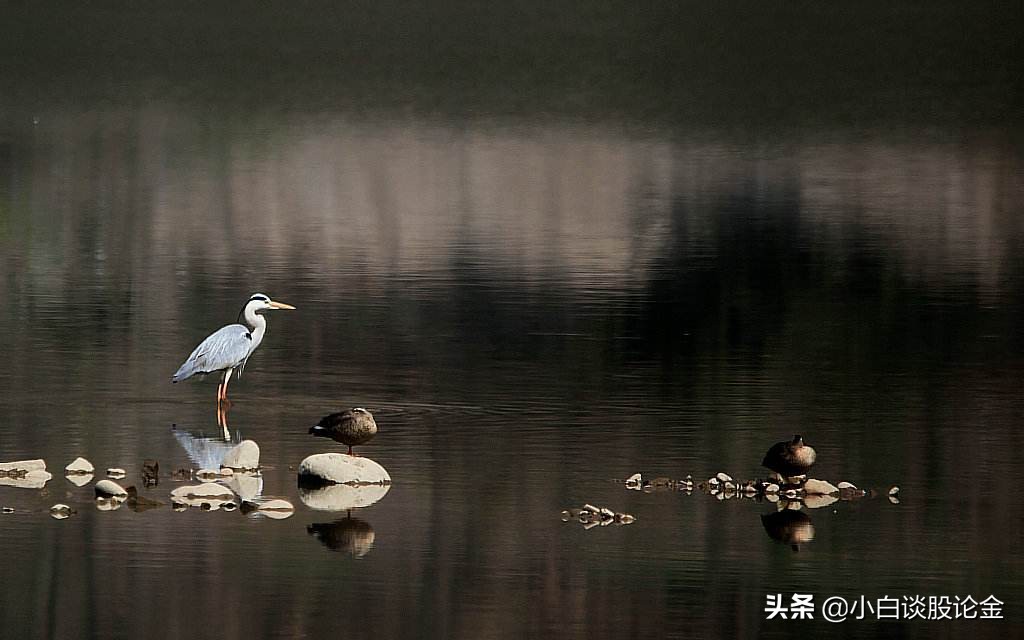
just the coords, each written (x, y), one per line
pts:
(351, 427)
(228, 348)
(790, 459)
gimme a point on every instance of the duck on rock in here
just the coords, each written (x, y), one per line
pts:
(352, 427)
(791, 460)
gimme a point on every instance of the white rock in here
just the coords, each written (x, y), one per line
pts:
(24, 465)
(817, 501)
(847, 485)
(208, 495)
(634, 481)
(61, 511)
(79, 465)
(116, 473)
(79, 479)
(724, 477)
(815, 487)
(339, 468)
(772, 488)
(342, 497)
(276, 508)
(243, 457)
(205, 490)
(894, 490)
(34, 479)
(108, 489)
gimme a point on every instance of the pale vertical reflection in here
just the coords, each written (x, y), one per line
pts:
(934, 206)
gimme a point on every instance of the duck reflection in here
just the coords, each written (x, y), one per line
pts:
(347, 535)
(789, 525)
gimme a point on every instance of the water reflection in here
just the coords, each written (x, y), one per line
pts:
(347, 535)
(341, 497)
(789, 525)
(209, 453)
(548, 306)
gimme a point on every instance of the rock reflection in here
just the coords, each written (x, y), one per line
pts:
(24, 474)
(789, 525)
(347, 535)
(210, 453)
(341, 497)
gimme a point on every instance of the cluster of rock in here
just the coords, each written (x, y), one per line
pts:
(235, 485)
(811, 491)
(590, 516)
(28, 474)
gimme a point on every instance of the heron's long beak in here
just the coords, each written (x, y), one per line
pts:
(280, 305)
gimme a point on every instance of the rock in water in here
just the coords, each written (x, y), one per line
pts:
(61, 511)
(337, 468)
(23, 466)
(243, 457)
(79, 465)
(109, 489)
(275, 508)
(208, 496)
(815, 487)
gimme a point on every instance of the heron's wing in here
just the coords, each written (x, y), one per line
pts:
(225, 348)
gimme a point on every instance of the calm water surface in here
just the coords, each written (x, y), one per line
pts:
(534, 305)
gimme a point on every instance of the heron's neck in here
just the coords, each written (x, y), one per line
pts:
(258, 324)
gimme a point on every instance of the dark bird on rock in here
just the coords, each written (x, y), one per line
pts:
(352, 427)
(790, 459)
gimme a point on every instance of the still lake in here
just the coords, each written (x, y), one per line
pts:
(535, 303)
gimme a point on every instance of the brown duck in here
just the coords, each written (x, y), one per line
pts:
(790, 459)
(351, 427)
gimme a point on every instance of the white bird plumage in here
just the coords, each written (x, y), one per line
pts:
(228, 348)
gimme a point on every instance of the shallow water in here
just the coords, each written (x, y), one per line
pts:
(534, 305)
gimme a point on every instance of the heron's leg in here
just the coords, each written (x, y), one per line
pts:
(227, 376)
